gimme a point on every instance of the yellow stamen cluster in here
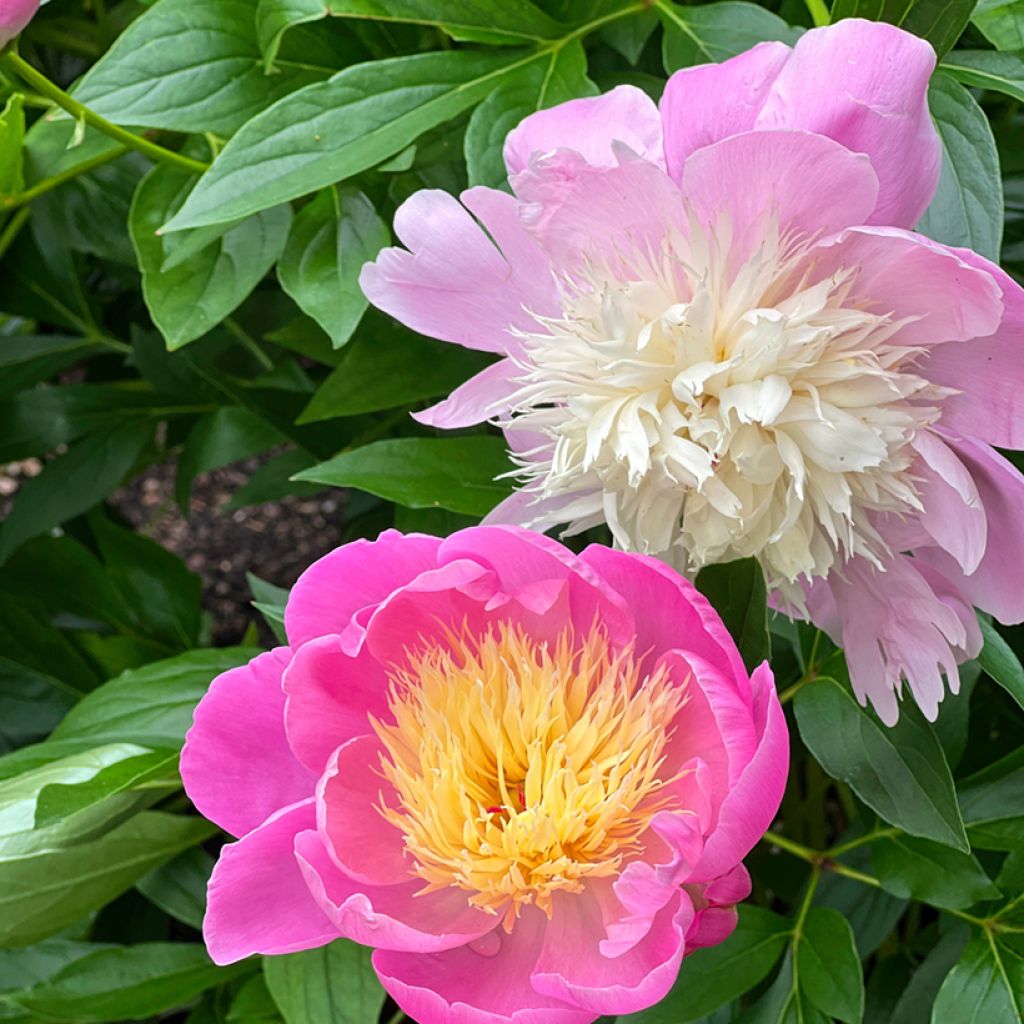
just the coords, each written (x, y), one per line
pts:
(524, 768)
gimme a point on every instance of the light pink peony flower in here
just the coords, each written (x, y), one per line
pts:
(720, 336)
(450, 763)
(14, 16)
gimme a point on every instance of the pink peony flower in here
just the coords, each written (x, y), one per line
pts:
(526, 778)
(14, 16)
(720, 336)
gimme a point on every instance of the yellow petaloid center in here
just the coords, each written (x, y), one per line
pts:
(524, 768)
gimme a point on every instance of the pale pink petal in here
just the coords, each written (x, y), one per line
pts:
(352, 577)
(14, 16)
(451, 281)
(484, 982)
(995, 586)
(953, 512)
(865, 84)
(358, 838)
(709, 102)
(389, 916)
(944, 296)
(988, 373)
(329, 696)
(257, 901)
(481, 398)
(753, 802)
(236, 765)
(589, 126)
(810, 183)
(572, 968)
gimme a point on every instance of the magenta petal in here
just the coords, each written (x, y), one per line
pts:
(754, 800)
(330, 695)
(865, 84)
(352, 577)
(572, 968)
(389, 916)
(481, 398)
(589, 126)
(257, 900)
(987, 374)
(709, 102)
(366, 846)
(485, 982)
(236, 765)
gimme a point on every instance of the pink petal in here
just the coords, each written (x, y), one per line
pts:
(481, 398)
(572, 968)
(236, 765)
(753, 802)
(451, 281)
(330, 695)
(257, 900)
(710, 927)
(358, 838)
(812, 184)
(995, 586)
(352, 577)
(589, 126)
(865, 84)
(389, 916)
(709, 102)
(953, 512)
(14, 16)
(910, 276)
(485, 982)
(669, 611)
(989, 372)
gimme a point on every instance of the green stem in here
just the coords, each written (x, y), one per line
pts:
(243, 336)
(870, 837)
(795, 848)
(819, 859)
(44, 186)
(396, 1017)
(11, 229)
(819, 12)
(42, 85)
(791, 691)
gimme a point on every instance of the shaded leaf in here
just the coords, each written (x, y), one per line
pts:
(737, 591)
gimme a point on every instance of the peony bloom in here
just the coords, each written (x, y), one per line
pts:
(720, 336)
(14, 16)
(526, 778)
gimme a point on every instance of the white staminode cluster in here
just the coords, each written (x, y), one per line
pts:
(709, 411)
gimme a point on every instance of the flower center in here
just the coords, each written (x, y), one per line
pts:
(524, 768)
(710, 411)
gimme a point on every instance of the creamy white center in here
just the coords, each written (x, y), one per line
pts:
(709, 411)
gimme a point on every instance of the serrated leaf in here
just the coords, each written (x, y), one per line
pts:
(999, 661)
(967, 209)
(828, 967)
(737, 591)
(456, 473)
(900, 772)
(939, 21)
(330, 240)
(189, 299)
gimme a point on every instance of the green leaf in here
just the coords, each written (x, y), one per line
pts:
(999, 661)
(178, 887)
(335, 129)
(272, 481)
(72, 483)
(901, 773)
(785, 1002)
(914, 1006)
(192, 297)
(713, 976)
(939, 21)
(209, 78)
(253, 1004)
(335, 983)
(456, 473)
(330, 240)
(130, 983)
(20, 968)
(270, 602)
(562, 77)
(968, 206)
(27, 359)
(992, 801)
(986, 69)
(737, 591)
(47, 891)
(1001, 22)
(922, 870)
(388, 366)
(986, 985)
(871, 912)
(12, 137)
(828, 966)
(715, 32)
